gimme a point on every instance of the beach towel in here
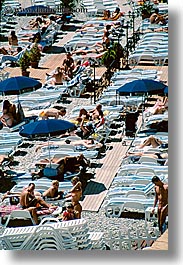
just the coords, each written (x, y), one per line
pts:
(74, 81)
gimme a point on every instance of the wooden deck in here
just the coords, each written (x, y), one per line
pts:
(96, 189)
(54, 57)
(161, 243)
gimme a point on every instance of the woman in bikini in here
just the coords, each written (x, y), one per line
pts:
(76, 194)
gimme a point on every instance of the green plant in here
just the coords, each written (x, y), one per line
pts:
(35, 54)
(69, 5)
(146, 9)
(113, 55)
(1, 4)
(24, 61)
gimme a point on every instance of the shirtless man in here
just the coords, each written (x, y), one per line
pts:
(75, 194)
(52, 112)
(53, 192)
(161, 197)
(29, 201)
(57, 77)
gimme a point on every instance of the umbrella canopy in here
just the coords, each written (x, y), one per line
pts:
(43, 128)
(18, 85)
(142, 86)
(36, 10)
(166, 91)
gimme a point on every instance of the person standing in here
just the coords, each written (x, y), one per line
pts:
(161, 197)
(12, 39)
(76, 194)
(68, 65)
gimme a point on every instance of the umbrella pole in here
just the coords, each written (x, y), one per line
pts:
(49, 151)
(142, 109)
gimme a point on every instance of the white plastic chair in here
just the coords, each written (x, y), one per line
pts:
(19, 218)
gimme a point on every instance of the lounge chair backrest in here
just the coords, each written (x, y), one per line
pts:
(19, 218)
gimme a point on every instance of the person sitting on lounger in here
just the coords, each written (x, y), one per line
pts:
(53, 192)
(90, 115)
(68, 214)
(159, 107)
(30, 202)
(156, 18)
(85, 130)
(106, 15)
(57, 77)
(14, 57)
(54, 113)
(12, 39)
(100, 120)
(116, 14)
(9, 114)
(96, 112)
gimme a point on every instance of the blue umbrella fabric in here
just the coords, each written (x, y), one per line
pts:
(18, 85)
(43, 128)
(166, 91)
(142, 86)
(36, 10)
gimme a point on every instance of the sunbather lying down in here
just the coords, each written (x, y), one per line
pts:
(97, 49)
(87, 143)
(159, 107)
(161, 157)
(52, 113)
(151, 141)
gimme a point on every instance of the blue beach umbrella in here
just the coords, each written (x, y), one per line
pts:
(166, 91)
(142, 86)
(18, 85)
(48, 128)
(45, 128)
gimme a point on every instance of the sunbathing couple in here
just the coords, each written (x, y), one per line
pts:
(63, 73)
(9, 116)
(115, 15)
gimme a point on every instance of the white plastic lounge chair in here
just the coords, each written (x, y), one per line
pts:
(115, 206)
(19, 218)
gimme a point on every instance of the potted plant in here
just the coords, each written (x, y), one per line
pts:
(24, 63)
(35, 56)
(146, 9)
(112, 56)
